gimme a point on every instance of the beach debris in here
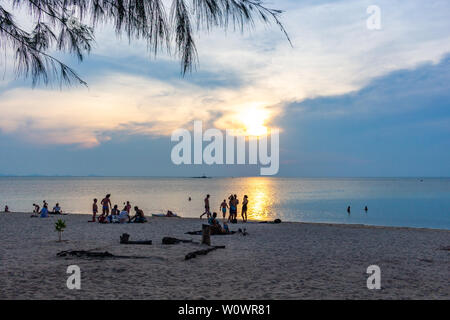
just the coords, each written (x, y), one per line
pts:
(203, 252)
(243, 232)
(93, 255)
(169, 240)
(206, 234)
(276, 221)
(124, 239)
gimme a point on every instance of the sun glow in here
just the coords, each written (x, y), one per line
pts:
(254, 120)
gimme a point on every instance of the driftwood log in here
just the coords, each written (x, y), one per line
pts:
(124, 239)
(169, 240)
(194, 254)
(206, 234)
(93, 255)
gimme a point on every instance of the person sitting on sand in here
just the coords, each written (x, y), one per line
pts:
(223, 208)
(114, 216)
(36, 208)
(139, 216)
(44, 211)
(170, 214)
(57, 209)
(215, 226)
(124, 216)
(94, 209)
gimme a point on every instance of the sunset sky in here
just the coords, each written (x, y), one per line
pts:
(348, 101)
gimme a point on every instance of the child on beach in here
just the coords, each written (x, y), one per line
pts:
(94, 210)
(223, 208)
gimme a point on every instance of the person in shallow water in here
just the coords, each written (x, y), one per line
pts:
(366, 209)
(348, 209)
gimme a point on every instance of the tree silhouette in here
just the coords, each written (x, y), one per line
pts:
(69, 25)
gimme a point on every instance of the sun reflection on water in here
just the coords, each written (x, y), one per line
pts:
(260, 198)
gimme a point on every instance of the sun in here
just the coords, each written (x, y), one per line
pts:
(254, 121)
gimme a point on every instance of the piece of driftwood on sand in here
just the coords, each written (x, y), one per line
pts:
(124, 239)
(203, 252)
(94, 255)
(170, 240)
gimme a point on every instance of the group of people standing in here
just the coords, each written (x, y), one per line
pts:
(116, 215)
(232, 205)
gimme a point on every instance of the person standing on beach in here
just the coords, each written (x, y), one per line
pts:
(223, 208)
(106, 203)
(244, 208)
(94, 209)
(128, 207)
(207, 212)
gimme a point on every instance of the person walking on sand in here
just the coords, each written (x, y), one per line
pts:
(223, 208)
(106, 204)
(244, 208)
(94, 209)
(207, 212)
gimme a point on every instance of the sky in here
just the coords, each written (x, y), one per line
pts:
(347, 100)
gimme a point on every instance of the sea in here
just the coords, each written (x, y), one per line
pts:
(403, 202)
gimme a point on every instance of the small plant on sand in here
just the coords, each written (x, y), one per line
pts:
(60, 225)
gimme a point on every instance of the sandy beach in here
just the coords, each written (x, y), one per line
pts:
(275, 261)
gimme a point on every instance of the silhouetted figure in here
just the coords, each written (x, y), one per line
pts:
(207, 212)
(348, 209)
(366, 209)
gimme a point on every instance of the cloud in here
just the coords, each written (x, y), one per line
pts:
(333, 54)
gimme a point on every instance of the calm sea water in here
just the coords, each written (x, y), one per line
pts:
(392, 202)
